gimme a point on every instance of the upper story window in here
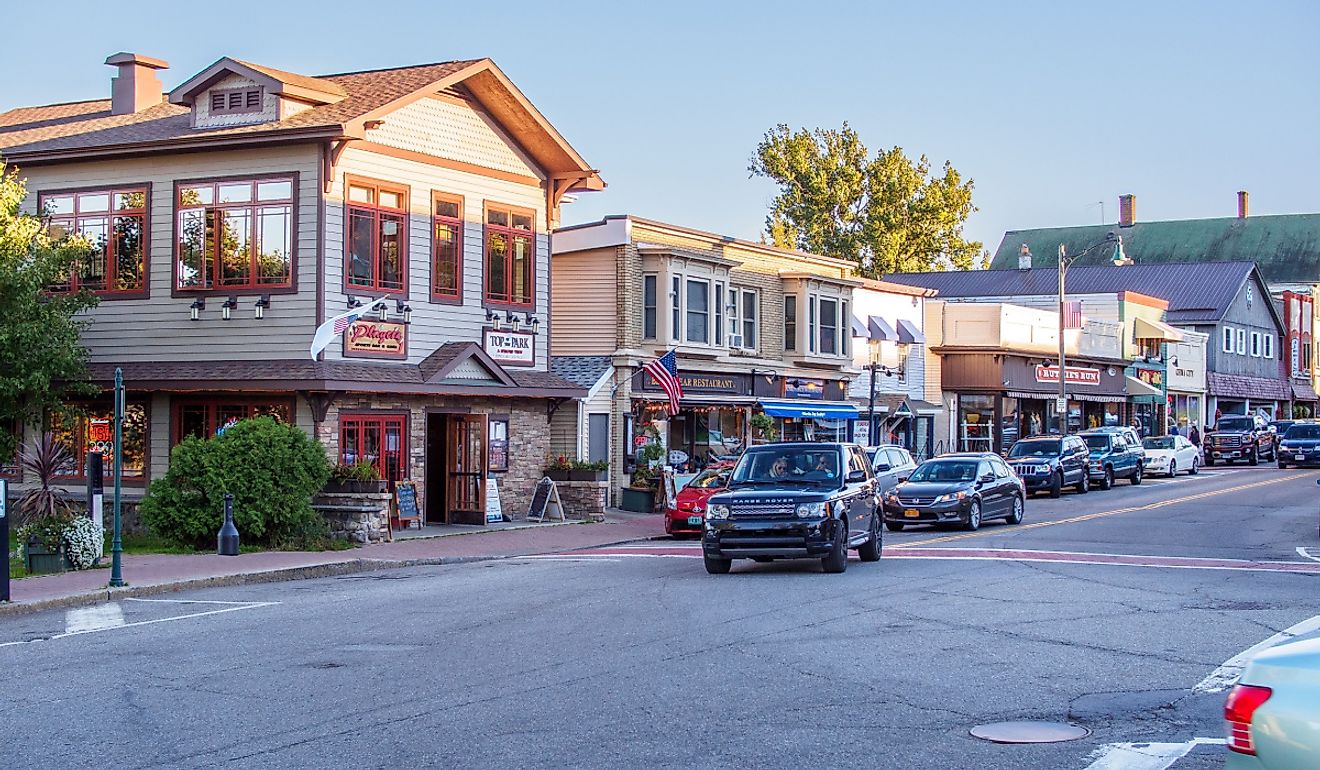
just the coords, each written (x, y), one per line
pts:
(377, 250)
(1241, 341)
(649, 307)
(828, 329)
(235, 234)
(115, 221)
(510, 256)
(1267, 341)
(1148, 348)
(828, 312)
(446, 248)
(698, 312)
(1255, 344)
(1228, 339)
(235, 101)
(790, 322)
(676, 306)
(744, 307)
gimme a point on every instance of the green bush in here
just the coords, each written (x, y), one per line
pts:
(272, 470)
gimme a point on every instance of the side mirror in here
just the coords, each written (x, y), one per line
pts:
(882, 468)
(904, 477)
(987, 478)
(856, 477)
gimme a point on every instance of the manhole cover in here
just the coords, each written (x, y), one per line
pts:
(1029, 732)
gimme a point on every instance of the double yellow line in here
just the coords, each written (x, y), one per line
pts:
(1101, 514)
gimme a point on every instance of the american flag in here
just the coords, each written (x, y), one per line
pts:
(1072, 314)
(342, 323)
(664, 370)
(333, 327)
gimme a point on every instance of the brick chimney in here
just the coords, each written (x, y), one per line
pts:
(136, 87)
(1127, 210)
(1242, 204)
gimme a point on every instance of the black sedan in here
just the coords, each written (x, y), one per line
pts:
(963, 489)
(1300, 445)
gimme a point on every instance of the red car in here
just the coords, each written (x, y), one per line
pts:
(690, 515)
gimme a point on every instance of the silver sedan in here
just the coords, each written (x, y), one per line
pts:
(1273, 712)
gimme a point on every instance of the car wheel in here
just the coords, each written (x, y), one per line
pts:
(1107, 482)
(1255, 457)
(1084, 485)
(1136, 477)
(1173, 468)
(1196, 467)
(717, 566)
(1209, 460)
(894, 526)
(972, 521)
(870, 550)
(1016, 516)
(837, 561)
(763, 559)
(1056, 485)
(1282, 465)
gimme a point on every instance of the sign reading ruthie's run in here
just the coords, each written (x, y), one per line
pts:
(376, 339)
(510, 348)
(1077, 375)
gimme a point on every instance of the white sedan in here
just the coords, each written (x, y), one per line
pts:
(1271, 712)
(1167, 455)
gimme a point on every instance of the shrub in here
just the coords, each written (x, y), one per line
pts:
(358, 471)
(272, 470)
(83, 542)
(43, 462)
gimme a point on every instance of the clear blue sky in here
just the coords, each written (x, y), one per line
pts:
(1050, 107)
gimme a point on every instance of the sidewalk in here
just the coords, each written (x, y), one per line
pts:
(159, 573)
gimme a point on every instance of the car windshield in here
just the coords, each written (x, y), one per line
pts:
(1039, 448)
(945, 470)
(807, 466)
(1097, 443)
(1303, 432)
(710, 479)
(1237, 423)
(1160, 442)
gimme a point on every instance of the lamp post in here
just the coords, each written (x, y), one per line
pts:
(1119, 259)
(873, 366)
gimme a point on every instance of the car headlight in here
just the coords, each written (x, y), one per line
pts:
(811, 510)
(950, 497)
(891, 497)
(717, 511)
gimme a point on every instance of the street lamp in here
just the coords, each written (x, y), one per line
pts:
(874, 365)
(1119, 259)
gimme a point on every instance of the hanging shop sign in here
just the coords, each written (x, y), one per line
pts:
(1077, 375)
(510, 348)
(376, 339)
(798, 387)
(1152, 377)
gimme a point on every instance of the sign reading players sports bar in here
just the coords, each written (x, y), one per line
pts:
(1077, 375)
(376, 339)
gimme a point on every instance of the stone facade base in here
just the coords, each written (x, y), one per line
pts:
(584, 499)
(357, 517)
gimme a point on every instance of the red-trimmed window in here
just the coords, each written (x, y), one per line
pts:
(204, 418)
(510, 256)
(235, 235)
(377, 225)
(94, 431)
(380, 439)
(446, 248)
(115, 221)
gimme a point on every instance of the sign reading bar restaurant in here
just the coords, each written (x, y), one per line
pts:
(706, 382)
(376, 339)
(1076, 375)
(510, 348)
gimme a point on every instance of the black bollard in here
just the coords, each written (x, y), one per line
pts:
(227, 539)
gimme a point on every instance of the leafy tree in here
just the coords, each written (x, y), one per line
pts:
(42, 360)
(885, 213)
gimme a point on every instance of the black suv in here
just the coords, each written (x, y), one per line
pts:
(1241, 437)
(1048, 464)
(794, 501)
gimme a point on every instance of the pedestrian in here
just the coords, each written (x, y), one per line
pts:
(1194, 435)
(1136, 425)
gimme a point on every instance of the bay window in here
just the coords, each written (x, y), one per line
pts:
(446, 248)
(698, 312)
(510, 256)
(718, 339)
(828, 329)
(234, 234)
(115, 222)
(376, 217)
(649, 292)
(676, 306)
(790, 322)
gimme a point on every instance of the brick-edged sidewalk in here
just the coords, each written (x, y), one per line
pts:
(158, 573)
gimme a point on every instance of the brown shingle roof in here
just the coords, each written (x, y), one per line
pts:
(293, 78)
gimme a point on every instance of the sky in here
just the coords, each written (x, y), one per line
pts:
(1050, 107)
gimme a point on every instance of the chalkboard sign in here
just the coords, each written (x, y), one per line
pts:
(545, 501)
(405, 501)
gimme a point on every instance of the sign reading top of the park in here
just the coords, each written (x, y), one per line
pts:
(510, 348)
(376, 339)
(1077, 375)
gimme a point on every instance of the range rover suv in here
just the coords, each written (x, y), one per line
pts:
(795, 501)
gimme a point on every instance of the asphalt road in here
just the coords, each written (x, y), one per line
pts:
(634, 657)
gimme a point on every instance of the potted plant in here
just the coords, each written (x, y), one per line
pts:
(41, 541)
(43, 462)
(640, 495)
(589, 471)
(358, 478)
(764, 425)
(559, 468)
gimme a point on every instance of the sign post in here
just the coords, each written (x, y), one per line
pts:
(117, 545)
(4, 538)
(96, 495)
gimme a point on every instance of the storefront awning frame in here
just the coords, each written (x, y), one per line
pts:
(1150, 329)
(1136, 389)
(809, 409)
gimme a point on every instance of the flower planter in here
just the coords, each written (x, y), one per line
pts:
(588, 475)
(40, 561)
(338, 487)
(637, 500)
(555, 474)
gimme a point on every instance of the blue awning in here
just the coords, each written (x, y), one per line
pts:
(808, 409)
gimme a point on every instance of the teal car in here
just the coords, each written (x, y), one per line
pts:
(1111, 458)
(1271, 711)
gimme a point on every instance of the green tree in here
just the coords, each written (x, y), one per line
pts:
(42, 360)
(885, 213)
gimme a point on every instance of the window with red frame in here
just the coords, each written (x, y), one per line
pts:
(510, 256)
(204, 418)
(380, 439)
(377, 224)
(235, 235)
(447, 247)
(93, 430)
(115, 221)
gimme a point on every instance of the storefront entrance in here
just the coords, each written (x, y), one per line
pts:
(456, 468)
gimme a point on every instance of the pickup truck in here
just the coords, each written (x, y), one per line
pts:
(1243, 438)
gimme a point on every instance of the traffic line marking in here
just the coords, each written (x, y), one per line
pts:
(68, 633)
(1145, 756)
(1305, 553)
(1227, 675)
(93, 618)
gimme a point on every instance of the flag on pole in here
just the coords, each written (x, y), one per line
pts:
(333, 327)
(1072, 314)
(664, 370)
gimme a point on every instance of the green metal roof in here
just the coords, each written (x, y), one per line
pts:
(1286, 247)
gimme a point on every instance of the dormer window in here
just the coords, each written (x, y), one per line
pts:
(236, 101)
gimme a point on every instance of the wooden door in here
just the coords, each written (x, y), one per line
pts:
(466, 457)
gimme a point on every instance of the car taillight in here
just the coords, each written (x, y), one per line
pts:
(1242, 703)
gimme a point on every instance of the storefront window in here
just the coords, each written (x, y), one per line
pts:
(94, 431)
(380, 439)
(976, 421)
(204, 419)
(1010, 429)
(1034, 418)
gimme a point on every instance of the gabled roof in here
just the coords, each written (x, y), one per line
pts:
(317, 90)
(442, 363)
(1286, 247)
(1196, 293)
(82, 130)
(585, 371)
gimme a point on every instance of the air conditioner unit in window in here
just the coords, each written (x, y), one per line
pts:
(735, 340)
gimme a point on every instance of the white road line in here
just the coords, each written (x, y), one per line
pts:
(96, 618)
(1305, 553)
(1226, 675)
(189, 601)
(248, 606)
(1144, 756)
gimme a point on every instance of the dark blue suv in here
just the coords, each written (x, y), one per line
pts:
(1050, 463)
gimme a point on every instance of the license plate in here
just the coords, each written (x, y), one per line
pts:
(694, 520)
(911, 513)
(1301, 457)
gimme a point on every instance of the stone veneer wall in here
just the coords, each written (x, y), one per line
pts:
(584, 499)
(358, 517)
